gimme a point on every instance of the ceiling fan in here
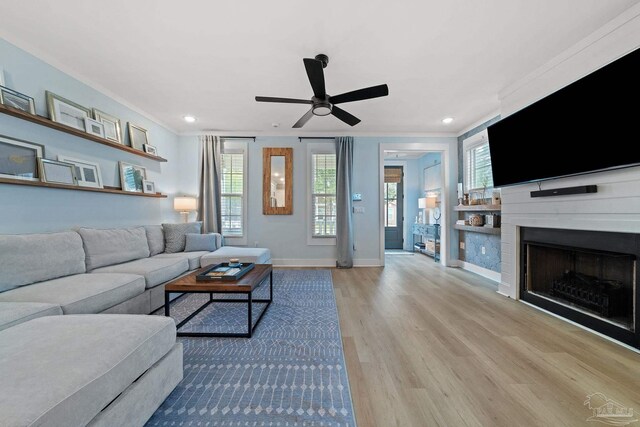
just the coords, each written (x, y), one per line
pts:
(323, 104)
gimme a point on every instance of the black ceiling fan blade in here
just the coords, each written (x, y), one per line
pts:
(348, 118)
(304, 119)
(283, 100)
(361, 94)
(316, 77)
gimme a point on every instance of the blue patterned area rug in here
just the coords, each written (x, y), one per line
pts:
(291, 373)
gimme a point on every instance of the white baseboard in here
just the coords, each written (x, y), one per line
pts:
(484, 272)
(326, 262)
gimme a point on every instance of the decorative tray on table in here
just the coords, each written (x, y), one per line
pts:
(224, 272)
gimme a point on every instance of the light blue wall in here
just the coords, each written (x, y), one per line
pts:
(286, 235)
(31, 209)
(475, 241)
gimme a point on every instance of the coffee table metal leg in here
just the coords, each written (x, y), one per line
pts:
(249, 304)
(270, 286)
(167, 304)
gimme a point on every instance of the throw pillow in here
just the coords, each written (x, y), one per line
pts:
(200, 242)
(155, 236)
(175, 235)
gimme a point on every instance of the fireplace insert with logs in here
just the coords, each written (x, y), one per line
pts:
(588, 277)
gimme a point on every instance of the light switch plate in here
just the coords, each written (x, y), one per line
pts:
(358, 209)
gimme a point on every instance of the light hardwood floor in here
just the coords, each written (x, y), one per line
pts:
(432, 346)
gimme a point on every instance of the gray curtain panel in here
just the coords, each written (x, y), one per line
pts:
(344, 223)
(209, 200)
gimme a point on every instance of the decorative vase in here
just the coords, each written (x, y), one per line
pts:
(476, 220)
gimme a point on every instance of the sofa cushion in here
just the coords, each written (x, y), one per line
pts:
(155, 237)
(175, 235)
(155, 270)
(31, 258)
(63, 370)
(192, 257)
(14, 313)
(82, 293)
(255, 255)
(114, 246)
(200, 242)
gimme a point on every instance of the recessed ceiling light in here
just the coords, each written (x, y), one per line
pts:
(276, 174)
(282, 179)
(447, 120)
(189, 119)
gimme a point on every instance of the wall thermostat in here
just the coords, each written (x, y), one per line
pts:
(357, 197)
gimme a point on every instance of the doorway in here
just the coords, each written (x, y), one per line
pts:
(414, 157)
(393, 207)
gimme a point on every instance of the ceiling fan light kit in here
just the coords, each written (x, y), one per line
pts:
(323, 104)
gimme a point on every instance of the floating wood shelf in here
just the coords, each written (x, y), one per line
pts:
(484, 230)
(110, 190)
(478, 208)
(43, 121)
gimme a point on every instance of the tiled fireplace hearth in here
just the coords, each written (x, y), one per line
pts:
(588, 277)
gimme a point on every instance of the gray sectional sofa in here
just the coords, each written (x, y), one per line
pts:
(62, 363)
(118, 271)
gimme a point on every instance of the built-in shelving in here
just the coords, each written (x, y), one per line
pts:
(478, 208)
(110, 190)
(43, 121)
(481, 229)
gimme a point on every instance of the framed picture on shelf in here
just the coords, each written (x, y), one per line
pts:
(132, 177)
(150, 149)
(88, 173)
(112, 130)
(148, 187)
(57, 172)
(93, 127)
(19, 159)
(67, 112)
(17, 100)
(138, 136)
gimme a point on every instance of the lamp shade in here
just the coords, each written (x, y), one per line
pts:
(185, 204)
(432, 202)
(422, 203)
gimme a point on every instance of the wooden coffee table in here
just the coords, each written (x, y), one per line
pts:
(245, 286)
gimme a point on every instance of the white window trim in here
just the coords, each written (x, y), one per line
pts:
(468, 144)
(235, 147)
(316, 148)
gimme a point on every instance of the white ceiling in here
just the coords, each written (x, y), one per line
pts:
(210, 58)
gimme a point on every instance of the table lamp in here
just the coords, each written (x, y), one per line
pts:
(185, 205)
(432, 203)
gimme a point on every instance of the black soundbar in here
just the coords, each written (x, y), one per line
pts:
(566, 191)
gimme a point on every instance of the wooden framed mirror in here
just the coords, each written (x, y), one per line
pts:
(277, 181)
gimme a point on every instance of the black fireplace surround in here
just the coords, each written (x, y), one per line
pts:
(588, 277)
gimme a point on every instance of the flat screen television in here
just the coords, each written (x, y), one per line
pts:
(590, 125)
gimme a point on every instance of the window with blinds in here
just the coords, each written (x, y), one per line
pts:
(232, 194)
(478, 167)
(323, 194)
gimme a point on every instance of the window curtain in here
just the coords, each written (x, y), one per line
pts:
(344, 222)
(209, 200)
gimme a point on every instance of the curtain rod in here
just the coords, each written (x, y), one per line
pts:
(239, 137)
(300, 138)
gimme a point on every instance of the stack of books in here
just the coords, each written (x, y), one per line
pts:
(462, 222)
